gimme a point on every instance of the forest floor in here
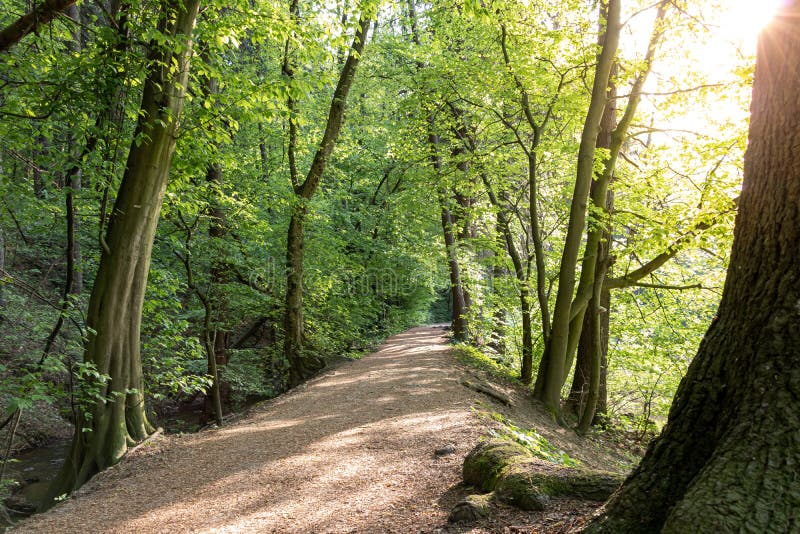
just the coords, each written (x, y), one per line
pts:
(349, 451)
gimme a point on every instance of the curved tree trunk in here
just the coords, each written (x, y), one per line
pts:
(118, 418)
(300, 365)
(727, 458)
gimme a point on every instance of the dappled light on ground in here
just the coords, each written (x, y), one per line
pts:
(351, 451)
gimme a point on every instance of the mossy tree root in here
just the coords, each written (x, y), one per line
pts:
(518, 478)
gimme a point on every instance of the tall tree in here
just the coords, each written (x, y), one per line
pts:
(596, 255)
(301, 365)
(552, 369)
(118, 418)
(727, 458)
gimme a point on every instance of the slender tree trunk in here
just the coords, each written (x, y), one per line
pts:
(301, 366)
(459, 305)
(552, 372)
(521, 274)
(36, 171)
(115, 306)
(538, 246)
(217, 231)
(73, 283)
(597, 255)
(586, 354)
(2, 270)
(215, 337)
(727, 458)
(263, 153)
(595, 365)
(459, 324)
(600, 196)
(499, 318)
(587, 343)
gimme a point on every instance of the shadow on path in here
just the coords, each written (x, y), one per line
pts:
(350, 451)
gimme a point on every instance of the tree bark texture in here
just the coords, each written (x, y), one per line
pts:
(118, 419)
(727, 459)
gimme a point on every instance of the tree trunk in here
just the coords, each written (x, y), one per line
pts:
(551, 374)
(586, 353)
(114, 315)
(727, 458)
(302, 366)
(600, 194)
(215, 337)
(587, 344)
(2, 275)
(73, 280)
(459, 305)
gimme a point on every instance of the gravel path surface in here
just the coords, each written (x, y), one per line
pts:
(350, 451)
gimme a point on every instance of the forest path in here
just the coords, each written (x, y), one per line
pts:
(350, 451)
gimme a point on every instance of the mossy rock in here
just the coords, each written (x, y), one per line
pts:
(518, 487)
(519, 479)
(484, 464)
(471, 508)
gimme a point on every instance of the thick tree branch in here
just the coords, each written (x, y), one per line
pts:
(41, 14)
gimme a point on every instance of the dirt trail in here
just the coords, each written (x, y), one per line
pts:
(351, 451)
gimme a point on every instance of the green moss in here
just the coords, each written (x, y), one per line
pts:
(485, 463)
(536, 444)
(518, 487)
(472, 508)
(518, 478)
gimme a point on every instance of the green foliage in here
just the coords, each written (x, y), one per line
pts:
(173, 362)
(245, 375)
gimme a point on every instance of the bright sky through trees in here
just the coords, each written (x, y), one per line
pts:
(745, 19)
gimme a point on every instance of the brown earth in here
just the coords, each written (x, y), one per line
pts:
(350, 451)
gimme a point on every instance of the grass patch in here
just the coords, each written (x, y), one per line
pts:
(469, 355)
(533, 441)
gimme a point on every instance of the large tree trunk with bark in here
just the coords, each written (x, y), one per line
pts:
(727, 459)
(118, 419)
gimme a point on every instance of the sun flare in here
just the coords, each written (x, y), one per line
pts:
(745, 19)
